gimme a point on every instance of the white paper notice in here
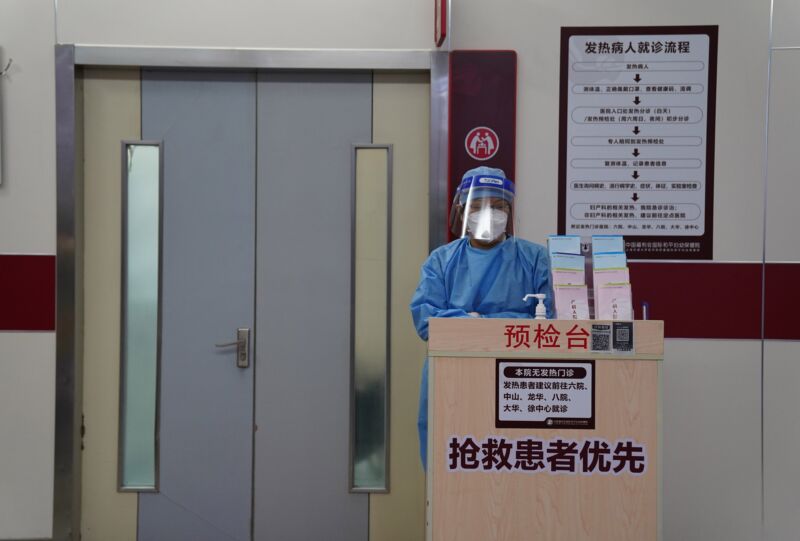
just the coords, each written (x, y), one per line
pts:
(636, 135)
(545, 394)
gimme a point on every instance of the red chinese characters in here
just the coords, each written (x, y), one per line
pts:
(547, 338)
(518, 336)
(577, 338)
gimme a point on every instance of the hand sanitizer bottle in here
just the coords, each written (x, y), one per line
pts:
(541, 310)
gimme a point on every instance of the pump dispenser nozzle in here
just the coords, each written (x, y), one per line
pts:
(541, 310)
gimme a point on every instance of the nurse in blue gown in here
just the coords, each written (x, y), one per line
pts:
(485, 273)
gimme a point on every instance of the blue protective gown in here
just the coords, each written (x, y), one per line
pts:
(457, 279)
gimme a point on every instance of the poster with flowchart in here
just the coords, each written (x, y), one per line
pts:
(636, 141)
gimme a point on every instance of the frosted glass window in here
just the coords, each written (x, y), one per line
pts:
(371, 287)
(141, 248)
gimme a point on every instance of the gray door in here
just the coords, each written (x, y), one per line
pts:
(307, 124)
(282, 142)
(207, 123)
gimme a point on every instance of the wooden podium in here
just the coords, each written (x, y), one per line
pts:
(502, 466)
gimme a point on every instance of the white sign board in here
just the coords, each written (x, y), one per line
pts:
(545, 394)
(635, 140)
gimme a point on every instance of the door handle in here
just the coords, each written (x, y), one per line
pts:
(242, 344)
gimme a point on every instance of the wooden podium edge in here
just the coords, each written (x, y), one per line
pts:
(428, 459)
(539, 355)
(485, 337)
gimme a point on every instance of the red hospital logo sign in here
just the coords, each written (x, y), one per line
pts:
(482, 143)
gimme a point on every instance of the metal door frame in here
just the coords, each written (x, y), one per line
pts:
(69, 59)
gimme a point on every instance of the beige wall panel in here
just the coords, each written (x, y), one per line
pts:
(786, 23)
(712, 440)
(27, 428)
(401, 116)
(781, 439)
(27, 99)
(361, 24)
(111, 114)
(783, 184)
(533, 30)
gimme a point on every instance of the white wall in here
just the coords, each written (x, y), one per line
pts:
(532, 28)
(27, 195)
(27, 402)
(783, 185)
(27, 226)
(782, 358)
(324, 24)
(782, 439)
(712, 440)
(786, 23)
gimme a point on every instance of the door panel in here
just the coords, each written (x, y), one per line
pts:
(207, 123)
(112, 112)
(401, 103)
(307, 124)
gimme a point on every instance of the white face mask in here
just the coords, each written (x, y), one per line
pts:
(487, 224)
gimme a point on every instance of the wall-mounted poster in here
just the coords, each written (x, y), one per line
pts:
(636, 137)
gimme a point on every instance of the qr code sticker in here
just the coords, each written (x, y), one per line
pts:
(601, 338)
(623, 336)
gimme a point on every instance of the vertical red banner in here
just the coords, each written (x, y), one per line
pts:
(483, 114)
(439, 22)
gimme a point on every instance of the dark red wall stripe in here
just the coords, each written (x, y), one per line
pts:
(27, 292)
(720, 300)
(782, 301)
(700, 300)
(695, 300)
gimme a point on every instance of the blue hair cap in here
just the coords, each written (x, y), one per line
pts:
(485, 182)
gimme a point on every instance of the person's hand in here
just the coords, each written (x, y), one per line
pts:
(474, 314)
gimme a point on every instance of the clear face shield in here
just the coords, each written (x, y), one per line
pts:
(483, 209)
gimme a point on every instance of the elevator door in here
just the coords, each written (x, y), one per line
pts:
(257, 234)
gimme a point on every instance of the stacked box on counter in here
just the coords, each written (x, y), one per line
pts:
(611, 278)
(568, 276)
